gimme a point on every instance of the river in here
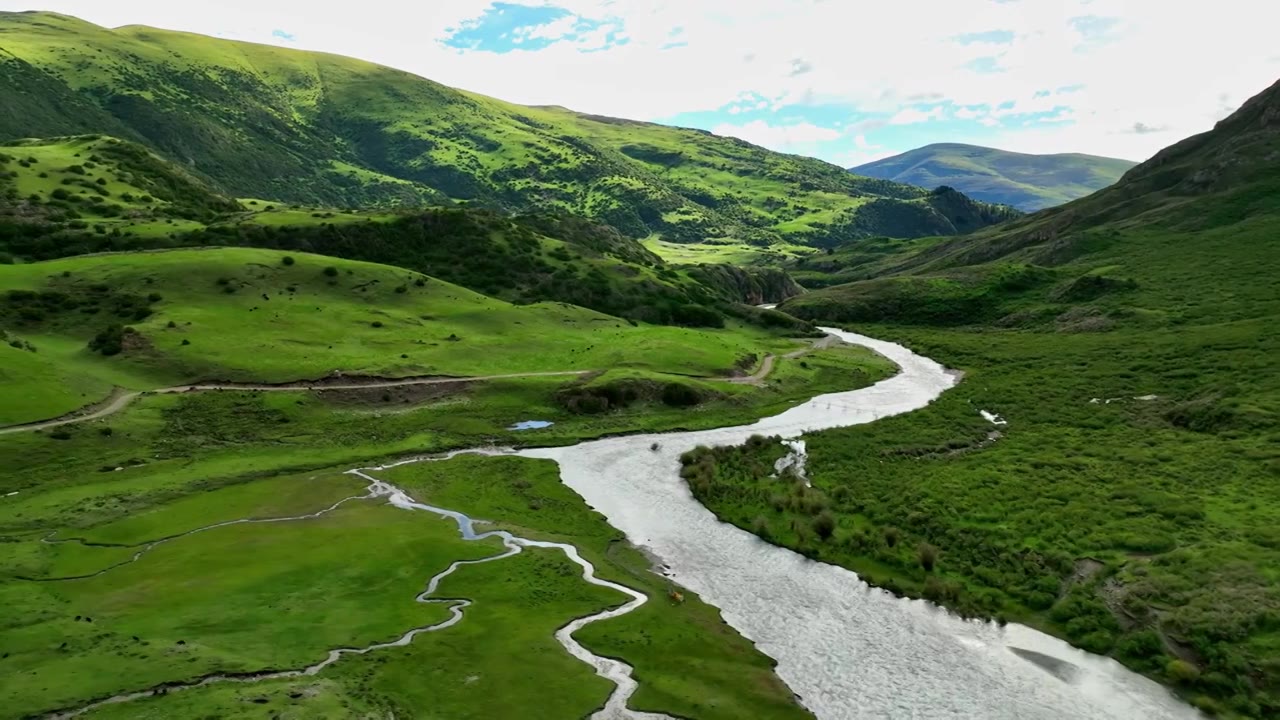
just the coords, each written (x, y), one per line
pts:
(848, 650)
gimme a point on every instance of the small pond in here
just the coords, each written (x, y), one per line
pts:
(531, 425)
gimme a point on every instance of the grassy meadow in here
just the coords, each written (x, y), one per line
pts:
(171, 463)
(266, 316)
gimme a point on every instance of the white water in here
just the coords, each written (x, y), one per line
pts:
(849, 651)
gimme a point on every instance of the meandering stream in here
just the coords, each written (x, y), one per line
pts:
(617, 672)
(848, 650)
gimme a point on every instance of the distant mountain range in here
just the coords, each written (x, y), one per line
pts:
(1027, 182)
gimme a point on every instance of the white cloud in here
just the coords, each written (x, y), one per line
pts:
(553, 30)
(778, 137)
(912, 115)
(1163, 64)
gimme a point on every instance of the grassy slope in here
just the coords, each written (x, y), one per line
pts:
(1156, 294)
(245, 315)
(319, 129)
(124, 198)
(1027, 182)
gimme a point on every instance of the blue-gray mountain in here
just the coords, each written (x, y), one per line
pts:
(1027, 182)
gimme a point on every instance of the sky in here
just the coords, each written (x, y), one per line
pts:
(848, 81)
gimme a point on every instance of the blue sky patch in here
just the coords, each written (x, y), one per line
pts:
(504, 27)
(277, 33)
(999, 37)
(987, 64)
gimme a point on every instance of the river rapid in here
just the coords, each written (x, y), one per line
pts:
(848, 650)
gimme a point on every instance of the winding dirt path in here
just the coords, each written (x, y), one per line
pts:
(616, 671)
(120, 399)
(766, 367)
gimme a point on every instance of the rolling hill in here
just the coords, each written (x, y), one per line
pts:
(87, 194)
(1128, 339)
(316, 129)
(1026, 182)
(295, 317)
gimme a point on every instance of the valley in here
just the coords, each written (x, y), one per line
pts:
(332, 391)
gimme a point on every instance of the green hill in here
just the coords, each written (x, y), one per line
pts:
(1027, 182)
(1129, 339)
(87, 194)
(237, 314)
(316, 129)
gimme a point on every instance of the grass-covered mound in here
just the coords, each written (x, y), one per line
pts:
(77, 326)
(94, 181)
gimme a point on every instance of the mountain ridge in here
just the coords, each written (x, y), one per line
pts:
(321, 129)
(1026, 181)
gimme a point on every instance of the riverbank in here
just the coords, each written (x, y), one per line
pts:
(1104, 511)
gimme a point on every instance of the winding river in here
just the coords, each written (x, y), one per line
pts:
(848, 650)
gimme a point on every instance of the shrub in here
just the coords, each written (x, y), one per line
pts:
(1181, 671)
(186, 341)
(110, 341)
(287, 260)
(824, 525)
(154, 297)
(760, 526)
(376, 323)
(331, 271)
(106, 431)
(928, 555)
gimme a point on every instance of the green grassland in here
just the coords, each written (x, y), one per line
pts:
(322, 130)
(1129, 339)
(1026, 182)
(235, 314)
(737, 254)
(687, 661)
(171, 463)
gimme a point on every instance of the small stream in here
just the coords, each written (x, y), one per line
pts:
(617, 672)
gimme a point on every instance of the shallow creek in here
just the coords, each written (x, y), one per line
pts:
(848, 650)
